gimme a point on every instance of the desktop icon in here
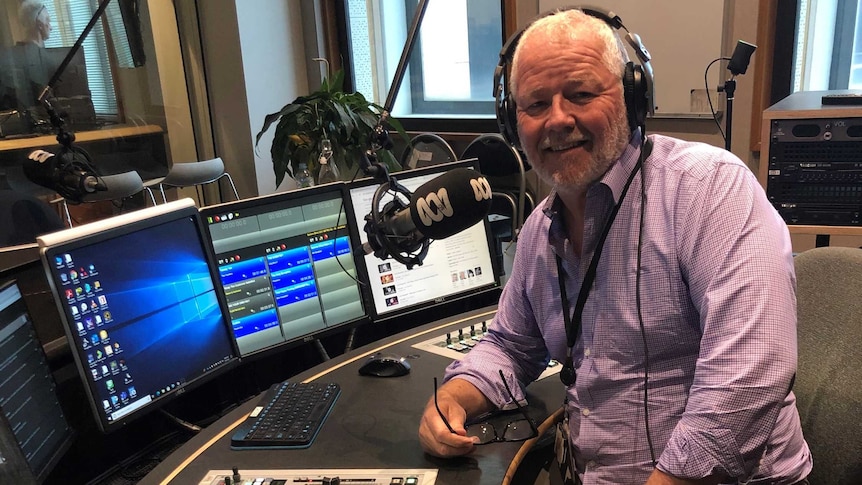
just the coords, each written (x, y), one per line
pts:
(109, 385)
(70, 294)
(64, 277)
(58, 260)
(115, 400)
(103, 334)
(133, 392)
(73, 274)
(108, 350)
(94, 338)
(74, 311)
(68, 258)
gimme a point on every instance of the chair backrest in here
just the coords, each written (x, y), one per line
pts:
(23, 217)
(194, 173)
(504, 167)
(426, 149)
(828, 384)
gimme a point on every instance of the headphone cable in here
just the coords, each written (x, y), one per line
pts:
(642, 158)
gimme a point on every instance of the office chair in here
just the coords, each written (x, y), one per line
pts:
(828, 384)
(192, 174)
(17, 181)
(24, 216)
(511, 201)
(503, 166)
(426, 149)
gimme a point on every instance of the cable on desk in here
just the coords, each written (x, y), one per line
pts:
(547, 424)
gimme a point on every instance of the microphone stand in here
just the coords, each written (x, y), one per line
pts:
(64, 137)
(729, 91)
(380, 138)
(738, 65)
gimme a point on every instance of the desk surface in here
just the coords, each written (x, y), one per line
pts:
(106, 133)
(373, 424)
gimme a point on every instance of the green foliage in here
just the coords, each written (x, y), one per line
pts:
(347, 119)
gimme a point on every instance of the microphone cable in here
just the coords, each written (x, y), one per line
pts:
(709, 98)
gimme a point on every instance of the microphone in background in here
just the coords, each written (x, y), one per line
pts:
(71, 178)
(741, 57)
(439, 208)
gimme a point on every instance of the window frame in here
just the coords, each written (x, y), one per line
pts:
(436, 124)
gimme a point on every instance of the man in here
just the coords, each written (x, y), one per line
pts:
(686, 349)
(35, 21)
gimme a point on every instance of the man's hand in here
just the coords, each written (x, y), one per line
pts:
(456, 399)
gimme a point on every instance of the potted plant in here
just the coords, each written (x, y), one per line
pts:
(327, 119)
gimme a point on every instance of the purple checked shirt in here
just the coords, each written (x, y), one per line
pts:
(717, 300)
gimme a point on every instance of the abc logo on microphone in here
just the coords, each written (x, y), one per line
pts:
(435, 206)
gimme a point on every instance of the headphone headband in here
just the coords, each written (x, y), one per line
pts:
(638, 89)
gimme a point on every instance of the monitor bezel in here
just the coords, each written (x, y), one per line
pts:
(431, 306)
(290, 197)
(121, 225)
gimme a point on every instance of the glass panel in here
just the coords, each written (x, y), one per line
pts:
(123, 93)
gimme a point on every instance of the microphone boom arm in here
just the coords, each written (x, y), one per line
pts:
(65, 138)
(380, 136)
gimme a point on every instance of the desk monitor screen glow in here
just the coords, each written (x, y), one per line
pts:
(137, 293)
(34, 432)
(455, 267)
(286, 265)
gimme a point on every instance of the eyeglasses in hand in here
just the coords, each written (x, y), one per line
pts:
(515, 430)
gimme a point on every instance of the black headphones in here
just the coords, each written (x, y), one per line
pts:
(638, 88)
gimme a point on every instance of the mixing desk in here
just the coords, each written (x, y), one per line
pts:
(457, 342)
(323, 477)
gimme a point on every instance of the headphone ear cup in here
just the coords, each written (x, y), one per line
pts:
(636, 96)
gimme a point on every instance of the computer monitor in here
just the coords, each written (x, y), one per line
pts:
(34, 432)
(137, 295)
(287, 266)
(457, 267)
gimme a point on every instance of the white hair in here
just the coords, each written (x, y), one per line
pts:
(574, 25)
(28, 13)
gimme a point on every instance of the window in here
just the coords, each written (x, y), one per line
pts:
(68, 18)
(450, 72)
(828, 50)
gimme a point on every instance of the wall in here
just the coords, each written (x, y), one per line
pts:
(254, 64)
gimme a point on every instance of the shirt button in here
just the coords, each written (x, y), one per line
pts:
(586, 352)
(591, 464)
(585, 412)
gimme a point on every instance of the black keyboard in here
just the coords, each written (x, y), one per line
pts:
(288, 416)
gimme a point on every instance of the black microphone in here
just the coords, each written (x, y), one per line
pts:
(439, 208)
(63, 174)
(741, 56)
